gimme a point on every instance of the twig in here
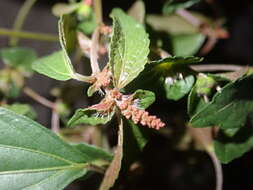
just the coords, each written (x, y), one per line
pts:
(29, 35)
(216, 67)
(55, 121)
(20, 18)
(94, 51)
(218, 170)
(189, 17)
(29, 92)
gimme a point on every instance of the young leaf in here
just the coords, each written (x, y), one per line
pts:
(22, 109)
(177, 88)
(33, 157)
(144, 98)
(54, 66)
(129, 48)
(113, 170)
(89, 117)
(186, 44)
(172, 6)
(228, 148)
(19, 58)
(229, 108)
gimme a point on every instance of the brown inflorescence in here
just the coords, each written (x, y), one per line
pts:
(130, 111)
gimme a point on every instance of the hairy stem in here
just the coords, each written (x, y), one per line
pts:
(20, 18)
(94, 51)
(34, 95)
(29, 35)
(55, 121)
(189, 17)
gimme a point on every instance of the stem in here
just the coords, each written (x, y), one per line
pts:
(55, 121)
(29, 35)
(20, 18)
(189, 17)
(96, 168)
(98, 12)
(94, 51)
(218, 170)
(29, 92)
(82, 78)
(216, 67)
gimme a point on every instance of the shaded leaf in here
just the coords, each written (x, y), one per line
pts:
(54, 66)
(88, 24)
(177, 88)
(186, 44)
(89, 117)
(172, 6)
(19, 58)
(228, 148)
(129, 48)
(22, 109)
(113, 170)
(33, 157)
(229, 108)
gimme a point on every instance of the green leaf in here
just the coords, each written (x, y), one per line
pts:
(144, 98)
(129, 48)
(33, 157)
(228, 148)
(22, 109)
(89, 117)
(177, 88)
(186, 44)
(19, 58)
(172, 6)
(229, 108)
(54, 66)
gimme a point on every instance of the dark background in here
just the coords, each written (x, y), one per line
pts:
(174, 166)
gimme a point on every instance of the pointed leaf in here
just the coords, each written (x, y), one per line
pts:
(34, 158)
(229, 108)
(89, 117)
(54, 66)
(129, 48)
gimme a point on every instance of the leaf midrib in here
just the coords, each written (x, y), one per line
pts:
(72, 166)
(38, 152)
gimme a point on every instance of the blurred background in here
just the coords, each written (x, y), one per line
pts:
(178, 170)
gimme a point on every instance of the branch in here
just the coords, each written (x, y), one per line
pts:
(55, 121)
(29, 35)
(98, 12)
(20, 18)
(216, 67)
(32, 94)
(94, 51)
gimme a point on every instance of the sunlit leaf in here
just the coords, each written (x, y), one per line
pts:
(129, 48)
(54, 66)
